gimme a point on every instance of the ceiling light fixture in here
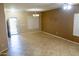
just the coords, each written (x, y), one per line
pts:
(35, 14)
(67, 6)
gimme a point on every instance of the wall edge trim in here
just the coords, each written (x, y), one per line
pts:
(3, 50)
(60, 37)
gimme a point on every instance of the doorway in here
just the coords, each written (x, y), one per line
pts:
(12, 26)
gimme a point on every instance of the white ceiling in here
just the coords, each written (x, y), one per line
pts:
(26, 6)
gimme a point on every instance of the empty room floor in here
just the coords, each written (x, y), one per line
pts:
(41, 44)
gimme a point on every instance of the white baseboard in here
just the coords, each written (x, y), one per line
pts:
(60, 37)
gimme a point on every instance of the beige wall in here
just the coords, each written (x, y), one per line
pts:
(24, 18)
(60, 22)
(3, 33)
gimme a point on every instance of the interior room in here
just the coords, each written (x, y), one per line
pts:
(39, 29)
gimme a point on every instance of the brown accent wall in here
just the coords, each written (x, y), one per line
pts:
(3, 33)
(60, 22)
